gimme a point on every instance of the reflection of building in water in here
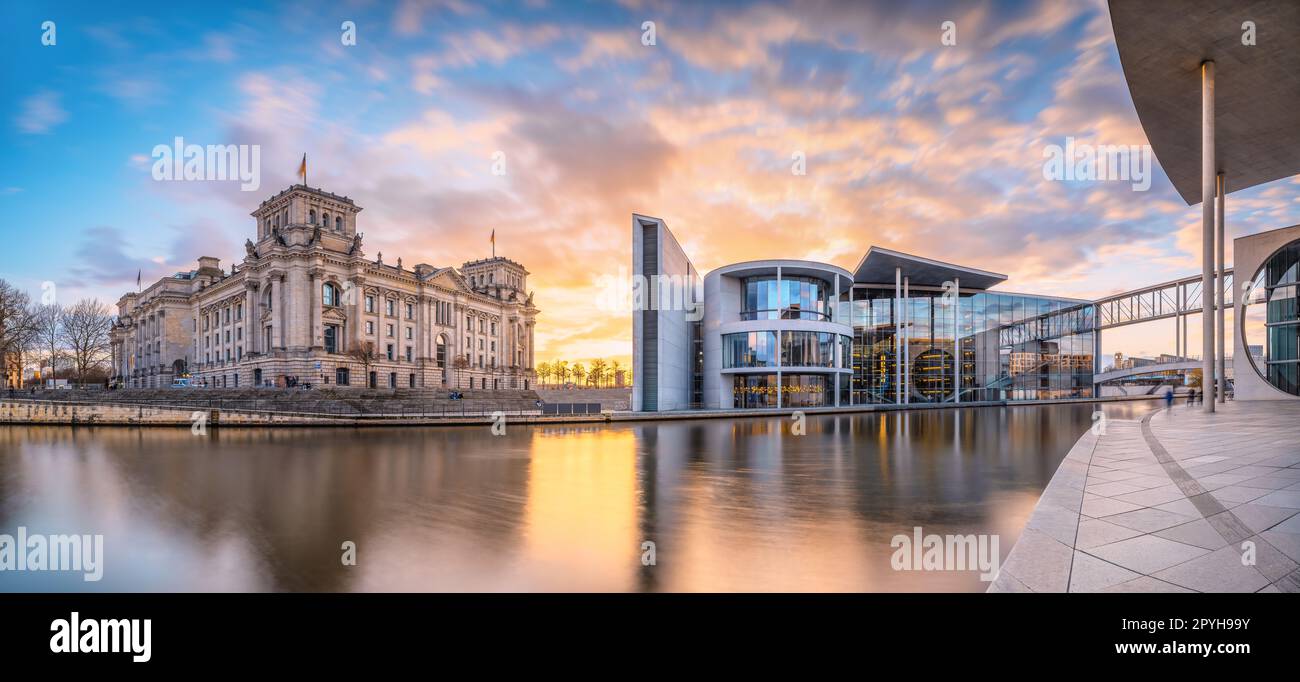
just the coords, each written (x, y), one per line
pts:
(897, 329)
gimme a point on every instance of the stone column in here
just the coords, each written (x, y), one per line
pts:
(282, 315)
(529, 327)
(251, 334)
(355, 322)
(317, 340)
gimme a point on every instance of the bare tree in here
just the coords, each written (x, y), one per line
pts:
(17, 324)
(84, 331)
(460, 363)
(49, 333)
(364, 354)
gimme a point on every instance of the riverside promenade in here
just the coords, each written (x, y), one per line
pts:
(1179, 501)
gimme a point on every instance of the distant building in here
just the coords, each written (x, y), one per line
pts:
(11, 364)
(898, 328)
(307, 306)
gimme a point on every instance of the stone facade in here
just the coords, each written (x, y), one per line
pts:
(307, 307)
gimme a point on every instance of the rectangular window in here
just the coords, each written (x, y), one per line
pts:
(410, 311)
(370, 304)
(389, 328)
(494, 328)
(411, 379)
(408, 354)
(370, 327)
(410, 333)
(390, 351)
(388, 306)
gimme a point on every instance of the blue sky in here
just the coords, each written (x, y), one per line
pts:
(909, 144)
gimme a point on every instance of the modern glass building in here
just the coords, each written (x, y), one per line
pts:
(898, 329)
(1270, 313)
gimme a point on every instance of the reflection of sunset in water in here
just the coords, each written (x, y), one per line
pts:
(580, 521)
(731, 505)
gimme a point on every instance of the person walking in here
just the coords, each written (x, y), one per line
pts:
(1169, 397)
(1191, 396)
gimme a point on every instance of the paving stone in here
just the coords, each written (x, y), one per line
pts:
(1148, 520)
(1096, 532)
(1147, 554)
(1258, 517)
(1199, 533)
(1281, 498)
(1145, 584)
(1090, 574)
(1039, 562)
(1111, 488)
(1103, 507)
(1218, 571)
(1153, 496)
(1237, 493)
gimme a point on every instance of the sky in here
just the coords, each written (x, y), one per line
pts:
(907, 143)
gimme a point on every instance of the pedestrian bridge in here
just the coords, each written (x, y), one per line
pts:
(1158, 368)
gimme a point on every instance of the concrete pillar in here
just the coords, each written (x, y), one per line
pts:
(898, 335)
(1208, 172)
(907, 343)
(1219, 228)
(956, 340)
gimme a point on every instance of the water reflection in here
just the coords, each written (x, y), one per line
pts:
(730, 505)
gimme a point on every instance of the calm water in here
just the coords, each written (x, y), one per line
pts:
(731, 505)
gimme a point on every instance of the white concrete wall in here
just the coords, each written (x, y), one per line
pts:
(1249, 255)
(674, 370)
(723, 300)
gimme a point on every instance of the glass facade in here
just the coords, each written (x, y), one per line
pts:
(807, 349)
(1271, 323)
(797, 390)
(749, 349)
(790, 298)
(988, 346)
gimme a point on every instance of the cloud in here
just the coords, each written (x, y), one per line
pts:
(41, 113)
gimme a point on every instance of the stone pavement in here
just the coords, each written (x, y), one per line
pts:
(1170, 503)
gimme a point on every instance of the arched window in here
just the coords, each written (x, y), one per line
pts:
(325, 220)
(491, 277)
(312, 216)
(338, 223)
(440, 354)
(266, 298)
(330, 294)
(277, 221)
